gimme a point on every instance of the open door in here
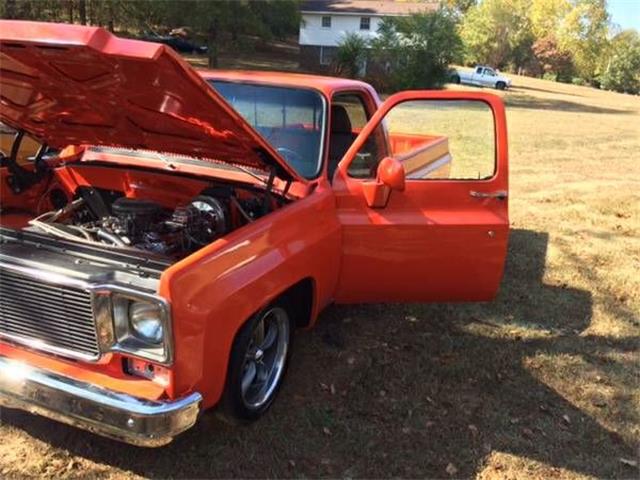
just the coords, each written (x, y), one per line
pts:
(422, 199)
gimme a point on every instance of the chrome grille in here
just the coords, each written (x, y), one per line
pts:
(56, 317)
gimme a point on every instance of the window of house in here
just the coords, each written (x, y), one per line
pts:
(327, 54)
(365, 23)
(326, 22)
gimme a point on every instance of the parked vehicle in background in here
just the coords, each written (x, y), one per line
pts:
(178, 43)
(481, 76)
(160, 264)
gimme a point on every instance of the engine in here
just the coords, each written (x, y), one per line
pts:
(117, 221)
(147, 226)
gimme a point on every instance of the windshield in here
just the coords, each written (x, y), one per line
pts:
(290, 119)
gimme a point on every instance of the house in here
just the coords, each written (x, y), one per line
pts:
(325, 23)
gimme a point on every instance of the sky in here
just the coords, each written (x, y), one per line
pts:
(625, 13)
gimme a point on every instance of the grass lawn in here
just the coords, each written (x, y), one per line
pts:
(541, 383)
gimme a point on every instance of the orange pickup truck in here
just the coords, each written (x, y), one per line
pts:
(159, 262)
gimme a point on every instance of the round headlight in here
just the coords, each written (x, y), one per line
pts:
(146, 321)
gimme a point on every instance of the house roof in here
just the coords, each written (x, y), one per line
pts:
(372, 7)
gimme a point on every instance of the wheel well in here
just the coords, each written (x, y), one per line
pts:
(299, 297)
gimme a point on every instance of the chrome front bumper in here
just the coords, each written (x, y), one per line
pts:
(112, 414)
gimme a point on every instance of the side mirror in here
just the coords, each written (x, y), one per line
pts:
(391, 173)
(390, 176)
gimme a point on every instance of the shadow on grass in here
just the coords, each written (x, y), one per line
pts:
(544, 90)
(535, 103)
(404, 390)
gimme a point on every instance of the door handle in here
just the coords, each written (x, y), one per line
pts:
(500, 194)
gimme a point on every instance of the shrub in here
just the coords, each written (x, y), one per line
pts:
(415, 51)
(622, 71)
(350, 56)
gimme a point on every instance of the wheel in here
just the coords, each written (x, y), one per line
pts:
(501, 85)
(259, 359)
(456, 79)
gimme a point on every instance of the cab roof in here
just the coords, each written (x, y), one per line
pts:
(324, 84)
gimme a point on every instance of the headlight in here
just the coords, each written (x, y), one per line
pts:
(141, 327)
(146, 322)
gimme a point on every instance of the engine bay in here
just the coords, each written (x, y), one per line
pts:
(146, 225)
(144, 211)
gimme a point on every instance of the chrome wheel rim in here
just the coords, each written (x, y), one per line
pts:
(265, 358)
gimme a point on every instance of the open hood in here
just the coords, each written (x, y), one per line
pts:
(71, 85)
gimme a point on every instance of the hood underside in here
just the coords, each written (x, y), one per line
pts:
(73, 85)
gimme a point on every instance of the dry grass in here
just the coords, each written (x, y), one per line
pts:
(541, 383)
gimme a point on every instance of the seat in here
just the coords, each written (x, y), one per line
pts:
(341, 137)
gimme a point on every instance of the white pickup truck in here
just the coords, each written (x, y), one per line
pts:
(483, 77)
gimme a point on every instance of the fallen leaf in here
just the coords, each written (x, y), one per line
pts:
(527, 432)
(629, 463)
(566, 419)
(332, 389)
(429, 424)
(326, 431)
(351, 360)
(406, 430)
(292, 463)
(451, 469)
(473, 429)
(411, 319)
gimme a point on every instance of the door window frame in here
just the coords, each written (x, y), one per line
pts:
(494, 102)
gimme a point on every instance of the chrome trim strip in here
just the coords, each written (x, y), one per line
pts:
(123, 417)
(424, 172)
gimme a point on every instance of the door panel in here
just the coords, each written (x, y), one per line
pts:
(441, 239)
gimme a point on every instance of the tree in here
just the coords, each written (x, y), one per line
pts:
(459, 7)
(546, 16)
(350, 55)
(584, 33)
(498, 32)
(82, 11)
(418, 49)
(621, 71)
(552, 59)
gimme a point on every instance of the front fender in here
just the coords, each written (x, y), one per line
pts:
(215, 290)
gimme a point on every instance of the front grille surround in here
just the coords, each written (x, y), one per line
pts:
(85, 301)
(48, 312)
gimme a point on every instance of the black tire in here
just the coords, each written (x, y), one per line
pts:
(234, 406)
(456, 79)
(501, 85)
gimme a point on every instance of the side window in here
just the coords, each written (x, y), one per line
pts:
(28, 148)
(365, 23)
(433, 139)
(349, 115)
(326, 22)
(479, 70)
